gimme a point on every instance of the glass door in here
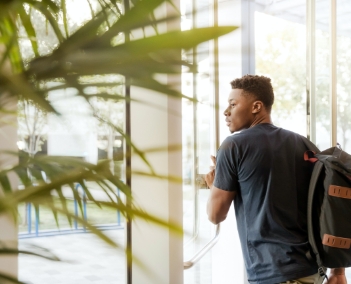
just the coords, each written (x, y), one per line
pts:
(87, 136)
(281, 38)
(198, 141)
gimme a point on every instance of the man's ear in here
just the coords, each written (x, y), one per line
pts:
(257, 106)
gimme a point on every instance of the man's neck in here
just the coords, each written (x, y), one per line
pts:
(261, 119)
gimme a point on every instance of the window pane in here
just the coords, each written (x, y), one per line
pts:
(280, 45)
(197, 142)
(75, 133)
(343, 76)
(343, 82)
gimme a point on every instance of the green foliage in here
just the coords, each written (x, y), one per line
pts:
(95, 48)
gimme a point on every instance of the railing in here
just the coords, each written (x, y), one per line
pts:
(190, 263)
(75, 229)
(200, 182)
(187, 264)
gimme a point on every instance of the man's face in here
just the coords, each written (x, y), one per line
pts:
(239, 114)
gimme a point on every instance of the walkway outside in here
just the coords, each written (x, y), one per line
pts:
(86, 259)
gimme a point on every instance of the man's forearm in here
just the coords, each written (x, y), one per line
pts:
(218, 204)
(337, 271)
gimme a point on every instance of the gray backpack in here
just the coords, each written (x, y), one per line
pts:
(329, 207)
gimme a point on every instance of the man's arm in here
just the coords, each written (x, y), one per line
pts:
(218, 204)
(337, 276)
(219, 201)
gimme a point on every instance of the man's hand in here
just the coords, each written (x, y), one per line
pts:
(337, 276)
(209, 178)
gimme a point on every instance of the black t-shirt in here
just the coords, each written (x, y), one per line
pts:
(265, 166)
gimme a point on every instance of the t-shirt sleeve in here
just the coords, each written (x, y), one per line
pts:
(226, 177)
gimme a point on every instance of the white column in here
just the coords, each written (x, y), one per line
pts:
(158, 249)
(156, 123)
(8, 138)
(8, 231)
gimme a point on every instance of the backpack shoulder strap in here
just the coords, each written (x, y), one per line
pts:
(312, 188)
(317, 169)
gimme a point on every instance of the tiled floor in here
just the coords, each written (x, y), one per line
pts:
(86, 259)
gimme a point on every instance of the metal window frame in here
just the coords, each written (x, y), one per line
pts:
(311, 76)
(128, 165)
(311, 70)
(248, 37)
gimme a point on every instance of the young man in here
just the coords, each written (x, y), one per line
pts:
(262, 169)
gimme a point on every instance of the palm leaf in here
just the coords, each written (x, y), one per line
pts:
(12, 251)
(19, 85)
(5, 182)
(63, 202)
(12, 52)
(64, 16)
(42, 8)
(11, 279)
(50, 4)
(41, 194)
(173, 40)
(136, 17)
(85, 34)
(115, 59)
(27, 24)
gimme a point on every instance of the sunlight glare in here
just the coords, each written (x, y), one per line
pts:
(79, 10)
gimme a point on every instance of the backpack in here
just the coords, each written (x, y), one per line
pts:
(329, 207)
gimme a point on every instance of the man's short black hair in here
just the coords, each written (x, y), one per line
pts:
(258, 86)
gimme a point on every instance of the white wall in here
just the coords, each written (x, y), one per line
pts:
(8, 231)
(158, 249)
